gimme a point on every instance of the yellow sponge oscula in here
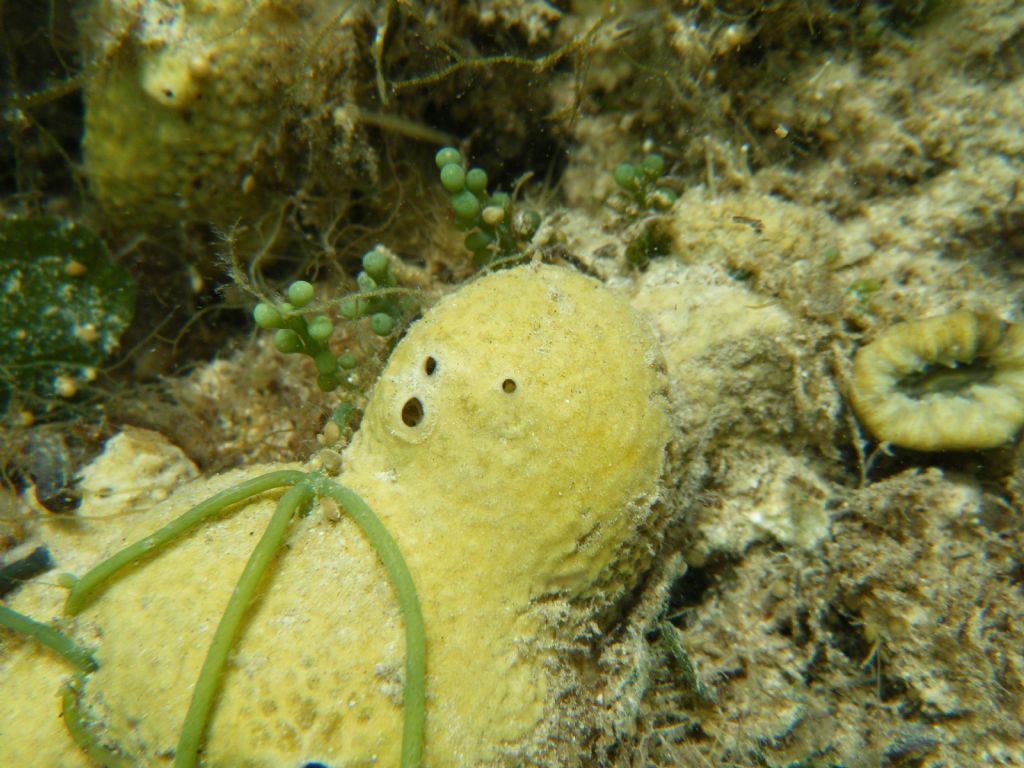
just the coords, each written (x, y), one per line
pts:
(954, 382)
(513, 448)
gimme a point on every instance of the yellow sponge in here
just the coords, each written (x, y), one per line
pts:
(513, 447)
(190, 106)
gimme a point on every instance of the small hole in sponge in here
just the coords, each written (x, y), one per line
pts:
(412, 412)
(430, 365)
(508, 385)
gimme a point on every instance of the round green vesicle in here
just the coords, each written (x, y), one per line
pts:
(465, 204)
(477, 241)
(382, 323)
(453, 178)
(267, 316)
(476, 181)
(448, 156)
(351, 308)
(375, 264)
(320, 328)
(300, 293)
(625, 176)
(287, 341)
(653, 165)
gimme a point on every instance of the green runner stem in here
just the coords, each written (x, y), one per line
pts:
(208, 683)
(84, 588)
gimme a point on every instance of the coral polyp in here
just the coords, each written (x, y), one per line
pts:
(954, 382)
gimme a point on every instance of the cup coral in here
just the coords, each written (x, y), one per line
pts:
(954, 382)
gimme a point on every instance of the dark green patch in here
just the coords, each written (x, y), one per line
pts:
(946, 380)
(64, 303)
(650, 243)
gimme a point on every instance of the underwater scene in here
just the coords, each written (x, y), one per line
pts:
(567, 383)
